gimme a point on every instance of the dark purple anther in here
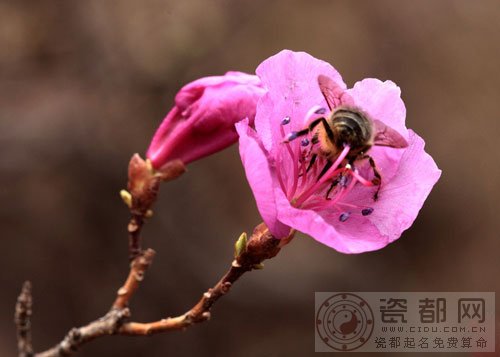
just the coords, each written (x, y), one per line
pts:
(304, 142)
(344, 216)
(367, 211)
(320, 111)
(292, 136)
(285, 120)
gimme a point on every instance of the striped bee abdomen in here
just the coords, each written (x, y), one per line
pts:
(352, 127)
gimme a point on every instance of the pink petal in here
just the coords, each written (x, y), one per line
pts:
(402, 198)
(396, 210)
(357, 235)
(194, 90)
(291, 81)
(382, 101)
(260, 177)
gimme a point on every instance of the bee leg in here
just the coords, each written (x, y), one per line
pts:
(377, 180)
(311, 163)
(325, 169)
(334, 183)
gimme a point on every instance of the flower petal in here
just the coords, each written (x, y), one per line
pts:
(291, 81)
(382, 101)
(357, 235)
(402, 198)
(260, 178)
(396, 210)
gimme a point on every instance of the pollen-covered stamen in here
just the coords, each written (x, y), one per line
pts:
(367, 211)
(285, 121)
(291, 136)
(344, 216)
(304, 142)
(320, 111)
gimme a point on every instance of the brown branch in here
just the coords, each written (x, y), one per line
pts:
(22, 320)
(110, 323)
(143, 189)
(138, 268)
(261, 246)
(76, 337)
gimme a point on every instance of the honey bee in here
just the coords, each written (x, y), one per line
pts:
(347, 125)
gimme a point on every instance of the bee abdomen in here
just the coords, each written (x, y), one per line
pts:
(352, 127)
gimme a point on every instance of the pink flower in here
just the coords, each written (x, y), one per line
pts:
(288, 188)
(202, 120)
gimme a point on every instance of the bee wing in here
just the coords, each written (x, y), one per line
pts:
(333, 93)
(387, 136)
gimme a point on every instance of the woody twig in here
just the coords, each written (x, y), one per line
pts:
(249, 255)
(22, 320)
(143, 187)
(110, 323)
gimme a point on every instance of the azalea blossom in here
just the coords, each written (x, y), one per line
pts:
(336, 205)
(202, 120)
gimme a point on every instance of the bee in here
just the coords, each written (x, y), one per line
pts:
(347, 125)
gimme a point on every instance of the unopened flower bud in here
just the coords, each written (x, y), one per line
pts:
(202, 120)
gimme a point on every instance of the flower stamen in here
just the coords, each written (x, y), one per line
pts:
(344, 216)
(305, 166)
(332, 171)
(286, 120)
(361, 179)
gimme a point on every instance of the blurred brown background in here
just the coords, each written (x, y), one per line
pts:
(83, 85)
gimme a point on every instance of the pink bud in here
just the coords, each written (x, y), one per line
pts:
(202, 120)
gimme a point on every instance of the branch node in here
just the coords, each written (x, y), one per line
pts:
(122, 291)
(225, 287)
(235, 264)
